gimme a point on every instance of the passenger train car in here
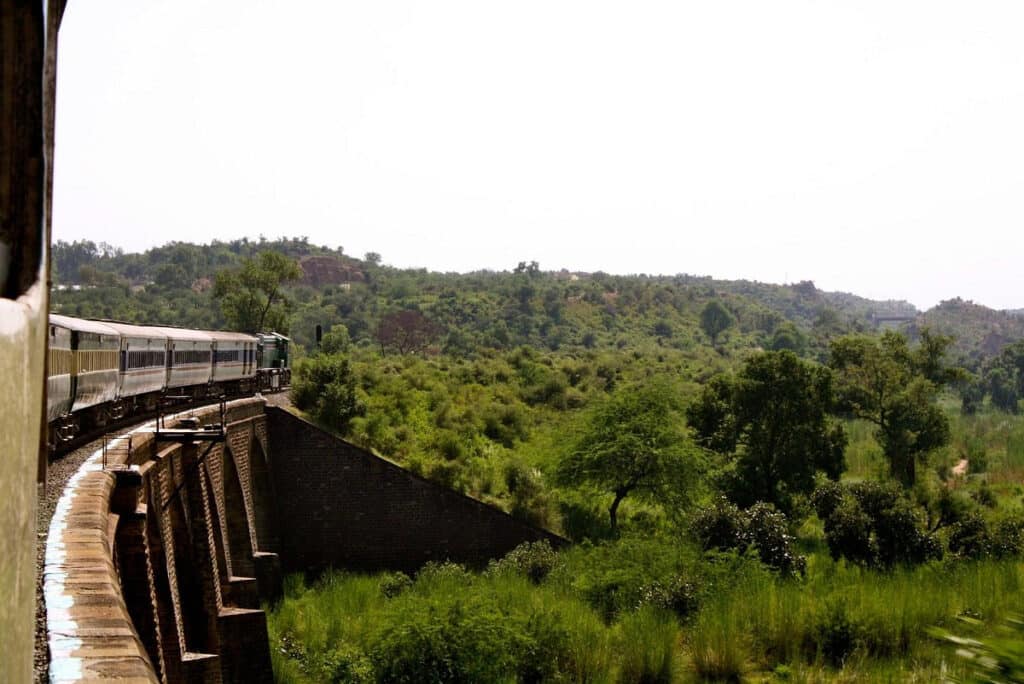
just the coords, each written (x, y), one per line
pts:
(101, 371)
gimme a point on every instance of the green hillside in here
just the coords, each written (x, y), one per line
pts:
(806, 494)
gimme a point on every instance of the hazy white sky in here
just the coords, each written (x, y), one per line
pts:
(873, 147)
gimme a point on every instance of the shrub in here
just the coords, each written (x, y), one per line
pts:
(826, 498)
(770, 536)
(848, 533)
(969, 538)
(347, 664)
(899, 537)
(532, 559)
(1007, 537)
(447, 574)
(725, 527)
(394, 583)
(325, 387)
(984, 496)
(459, 642)
(676, 595)
(722, 526)
(876, 524)
(836, 635)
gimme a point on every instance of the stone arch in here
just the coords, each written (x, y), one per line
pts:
(266, 514)
(239, 533)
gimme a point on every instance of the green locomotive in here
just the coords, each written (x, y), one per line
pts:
(273, 371)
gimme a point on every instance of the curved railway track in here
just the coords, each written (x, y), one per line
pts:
(134, 419)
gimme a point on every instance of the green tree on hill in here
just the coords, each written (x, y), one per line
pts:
(772, 420)
(715, 319)
(884, 381)
(325, 386)
(250, 295)
(1004, 377)
(633, 443)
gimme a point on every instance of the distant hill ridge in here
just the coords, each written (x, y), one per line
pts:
(522, 306)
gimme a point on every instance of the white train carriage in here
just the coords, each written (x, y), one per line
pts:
(190, 361)
(142, 362)
(234, 357)
(58, 375)
(94, 368)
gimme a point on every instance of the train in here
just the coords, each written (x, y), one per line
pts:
(100, 371)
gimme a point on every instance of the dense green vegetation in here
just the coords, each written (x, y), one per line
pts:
(760, 483)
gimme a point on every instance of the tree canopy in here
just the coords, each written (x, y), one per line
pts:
(715, 319)
(884, 381)
(406, 332)
(250, 295)
(633, 442)
(772, 420)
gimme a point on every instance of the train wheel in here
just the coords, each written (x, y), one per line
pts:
(67, 428)
(115, 410)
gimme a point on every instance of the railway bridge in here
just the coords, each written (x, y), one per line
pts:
(166, 542)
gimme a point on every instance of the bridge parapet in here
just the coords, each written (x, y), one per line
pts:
(153, 571)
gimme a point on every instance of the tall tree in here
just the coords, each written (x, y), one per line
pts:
(1004, 377)
(633, 443)
(715, 319)
(772, 420)
(884, 381)
(250, 296)
(407, 332)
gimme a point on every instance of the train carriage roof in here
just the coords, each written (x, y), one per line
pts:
(186, 334)
(145, 331)
(82, 325)
(224, 336)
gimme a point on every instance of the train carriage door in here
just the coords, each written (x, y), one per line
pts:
(168, 362)
(74, 354)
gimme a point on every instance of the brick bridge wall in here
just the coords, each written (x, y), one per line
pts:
(156, 564)
(345, 507)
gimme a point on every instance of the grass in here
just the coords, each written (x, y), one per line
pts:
(589, 620)
(841, 623)
(845, 616)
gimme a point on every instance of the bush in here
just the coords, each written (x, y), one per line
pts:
(826, 498)
(394, 583)
(875, 523)
(768, 531)
(848, 533)
(676, 595)
(761, 528)
(984, 496)
(899, 537)
(443, 573)
(347, 665)
(532, 559)
(325, 387)
(836, 635)
(722, 526)
(460, 642)
(1007, 538)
